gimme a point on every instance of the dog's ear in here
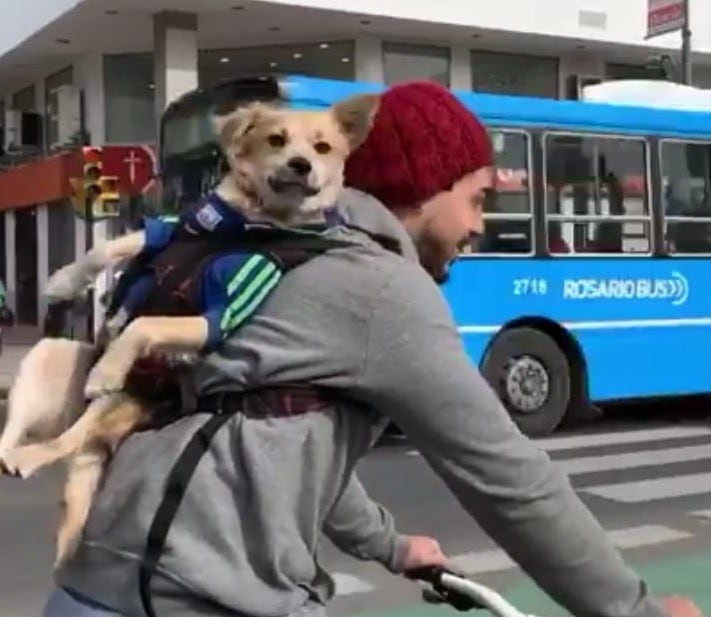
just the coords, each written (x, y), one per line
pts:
(355, 117)
(237, 123)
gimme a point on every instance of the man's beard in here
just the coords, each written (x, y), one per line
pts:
(436, 260)
(433, 259)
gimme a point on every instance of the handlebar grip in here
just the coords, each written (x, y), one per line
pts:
(433, 576)
(428, 574)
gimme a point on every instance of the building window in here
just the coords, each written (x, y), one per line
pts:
(517, 74)
(702, 76)
(129, 98)
(3, 249)
(51, 101)
(24, 100)
(327, 59)
(508, 220)
(596, 196)
(404, 61)
(26, 292)
(633, 71)
(61, 237)
(27, 138)
(686, 194)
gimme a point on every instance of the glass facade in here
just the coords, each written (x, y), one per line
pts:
(405, 61)
(327, 59)
(519, 74)
(51, 102)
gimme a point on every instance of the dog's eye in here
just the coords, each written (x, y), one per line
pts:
(322, 147)
(276, 140)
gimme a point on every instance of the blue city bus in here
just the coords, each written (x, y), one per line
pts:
(592, 281)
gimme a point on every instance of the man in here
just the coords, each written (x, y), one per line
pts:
(369, 325)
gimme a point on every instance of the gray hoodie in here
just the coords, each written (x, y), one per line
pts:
(373, 325)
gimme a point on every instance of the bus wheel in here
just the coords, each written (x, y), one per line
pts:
(531, 375)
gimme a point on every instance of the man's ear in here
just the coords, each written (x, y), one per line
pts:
(235, 124)
(355, 117)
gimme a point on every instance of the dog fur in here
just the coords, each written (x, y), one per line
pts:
(285, 167)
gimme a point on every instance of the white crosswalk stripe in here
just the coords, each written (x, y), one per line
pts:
(651, 490)
(348, 584)
(570, 454)
(645, 468)
(626, 538)
(552, 444)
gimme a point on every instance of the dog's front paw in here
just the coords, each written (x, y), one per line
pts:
(67, 283)
(105, 378)
(22, 462)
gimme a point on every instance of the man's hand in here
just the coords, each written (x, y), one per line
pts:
(678, 606)
(424, 551)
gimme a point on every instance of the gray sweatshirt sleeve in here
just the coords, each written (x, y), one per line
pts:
(364, 529)
(417, 373)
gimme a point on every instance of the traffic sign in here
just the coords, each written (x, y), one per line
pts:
(664, 16)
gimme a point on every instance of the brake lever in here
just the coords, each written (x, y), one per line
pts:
(433, 576)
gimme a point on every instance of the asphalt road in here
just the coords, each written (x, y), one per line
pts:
(648, 482)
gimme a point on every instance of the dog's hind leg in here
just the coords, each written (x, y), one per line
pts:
(84, 474)
(25, 460)
(12, 436)
(86, 469)
(22, 411)
(47, 392)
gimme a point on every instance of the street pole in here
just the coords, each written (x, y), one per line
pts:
(686, 47)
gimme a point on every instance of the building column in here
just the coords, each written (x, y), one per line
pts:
(10, 261)
(89, 77)
(8, 106)
(460, 68)
(42, 222)
(583, 64)
(41, 109)
(175, 56)
(369, 59)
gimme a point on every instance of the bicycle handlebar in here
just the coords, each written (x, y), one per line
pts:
(462, 593)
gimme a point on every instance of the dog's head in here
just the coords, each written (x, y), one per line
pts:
(289, 162)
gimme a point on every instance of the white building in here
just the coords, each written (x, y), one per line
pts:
(116, 50)
(125, 59)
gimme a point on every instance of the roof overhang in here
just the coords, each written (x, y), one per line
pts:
(113, 26)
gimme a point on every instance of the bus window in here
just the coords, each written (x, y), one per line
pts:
(596, 195)
(507, 214)
(686, 194)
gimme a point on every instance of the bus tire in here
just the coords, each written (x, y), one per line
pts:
(531, 376)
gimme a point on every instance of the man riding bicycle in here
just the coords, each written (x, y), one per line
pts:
(367, 334)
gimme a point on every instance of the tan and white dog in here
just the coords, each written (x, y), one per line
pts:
(286, 167)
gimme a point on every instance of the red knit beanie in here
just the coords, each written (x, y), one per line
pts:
(423, 140)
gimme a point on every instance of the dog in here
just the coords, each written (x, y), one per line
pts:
(285, 167)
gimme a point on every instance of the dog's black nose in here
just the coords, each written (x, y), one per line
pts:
(300, 165)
